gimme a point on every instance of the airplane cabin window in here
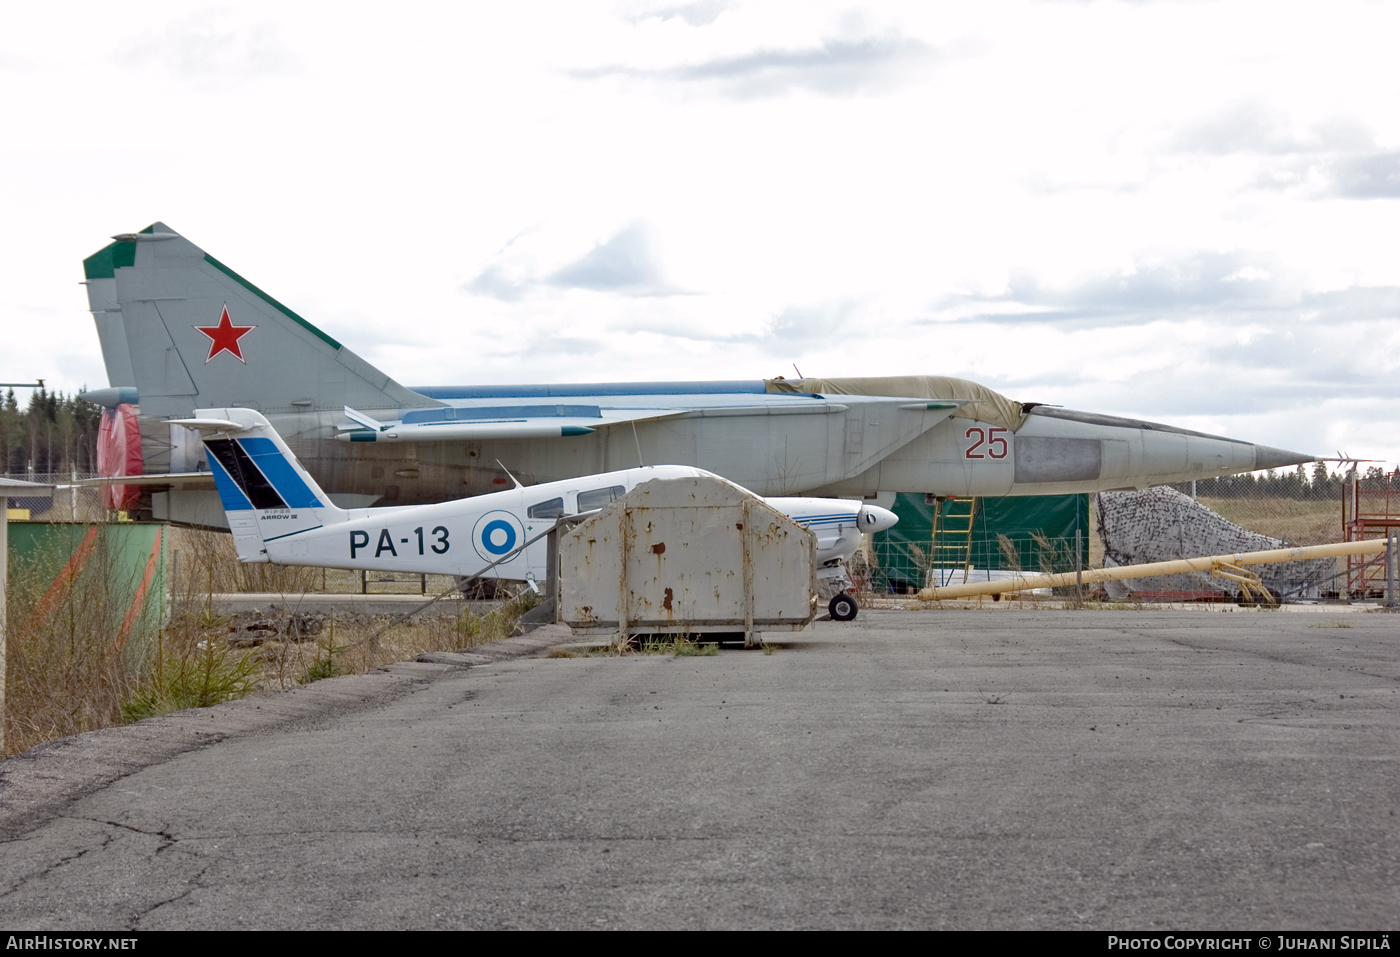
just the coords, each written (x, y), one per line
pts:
(599, 497)
(550, 509)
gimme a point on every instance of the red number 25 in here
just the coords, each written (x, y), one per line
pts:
(996, 445)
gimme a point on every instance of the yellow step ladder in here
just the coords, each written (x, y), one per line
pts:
(951, 547)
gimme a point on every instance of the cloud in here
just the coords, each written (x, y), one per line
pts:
(497, 282)
(818, 325)
(1376, 176)
(627, 264)
(1251, 126)
(207, 47)
(1198, 283)
(1334, 157)
(542, 347)
(701, 13)
(9, 63)
(1179, 333)
(1357, 303)
(833, 68)
(805, 327)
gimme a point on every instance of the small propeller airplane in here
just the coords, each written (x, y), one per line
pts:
(278, 513)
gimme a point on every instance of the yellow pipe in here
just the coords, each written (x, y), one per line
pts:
(1120, 572)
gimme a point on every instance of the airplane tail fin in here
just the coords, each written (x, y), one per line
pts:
(187, 331)
(265, 492)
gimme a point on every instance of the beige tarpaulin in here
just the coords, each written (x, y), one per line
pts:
(985, 405)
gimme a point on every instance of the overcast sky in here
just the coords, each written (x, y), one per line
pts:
(1185, 212)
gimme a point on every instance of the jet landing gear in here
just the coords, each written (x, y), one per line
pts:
(842, 608)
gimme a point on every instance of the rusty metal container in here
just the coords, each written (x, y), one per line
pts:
(687, 556)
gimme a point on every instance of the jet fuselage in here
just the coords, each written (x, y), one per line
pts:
(180, 330)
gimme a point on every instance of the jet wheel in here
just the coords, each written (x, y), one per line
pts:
(842, 607)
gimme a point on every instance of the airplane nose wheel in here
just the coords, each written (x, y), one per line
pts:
(842, 608)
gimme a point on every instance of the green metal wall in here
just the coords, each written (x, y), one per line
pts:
(118, 566)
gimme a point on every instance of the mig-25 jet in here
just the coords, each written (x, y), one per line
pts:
(180, 330)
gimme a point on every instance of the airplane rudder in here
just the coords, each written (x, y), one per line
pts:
(236, 499)
(155, 293)
(258, 462)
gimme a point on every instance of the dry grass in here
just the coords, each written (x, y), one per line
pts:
(681, 646)
(347, 645)
(75, 664)
(70, 662)
(208, 559)
(1298, 522)
(208, 564)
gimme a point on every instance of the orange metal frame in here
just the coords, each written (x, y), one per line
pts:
(1369, 513)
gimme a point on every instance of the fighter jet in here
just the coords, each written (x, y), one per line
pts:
(277, 513)
(181, 330)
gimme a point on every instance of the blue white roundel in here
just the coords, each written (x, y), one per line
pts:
(496, 535)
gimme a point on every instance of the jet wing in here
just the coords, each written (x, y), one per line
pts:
(856, 432)
(540, 421)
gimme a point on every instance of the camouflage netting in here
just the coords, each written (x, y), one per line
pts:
(1162, 524)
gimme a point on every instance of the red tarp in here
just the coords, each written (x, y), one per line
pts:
(119, 453)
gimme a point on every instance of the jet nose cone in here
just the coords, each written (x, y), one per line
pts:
(1266, 457)
(873, 518)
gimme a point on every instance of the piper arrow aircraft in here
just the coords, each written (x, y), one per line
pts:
(181, 330)
(278, 514)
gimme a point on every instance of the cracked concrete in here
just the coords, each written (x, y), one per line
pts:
(912, 769)
(37, 783)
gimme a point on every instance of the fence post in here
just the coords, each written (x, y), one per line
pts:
(1078, 567)
(4, 576)
(1390, 546)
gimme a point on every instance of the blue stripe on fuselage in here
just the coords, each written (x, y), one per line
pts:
(747, 386)
(488, 413)
(274, 465)
(825, 519)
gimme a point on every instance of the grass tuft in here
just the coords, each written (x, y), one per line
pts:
(211, 676)
(685, 647)
(498, 623)
(325, 664)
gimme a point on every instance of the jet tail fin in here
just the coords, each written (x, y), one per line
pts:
(187, 331)
(265, 492)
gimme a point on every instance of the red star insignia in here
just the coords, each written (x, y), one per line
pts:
(224, 337)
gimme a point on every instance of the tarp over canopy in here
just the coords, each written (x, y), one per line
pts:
(981, 402)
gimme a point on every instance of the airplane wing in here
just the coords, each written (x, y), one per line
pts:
(543, 421)
(186, 480)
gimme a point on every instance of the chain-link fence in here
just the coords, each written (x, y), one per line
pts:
(951, 540)
(64, 501)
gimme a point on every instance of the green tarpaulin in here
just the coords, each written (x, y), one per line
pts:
(1027, 533)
